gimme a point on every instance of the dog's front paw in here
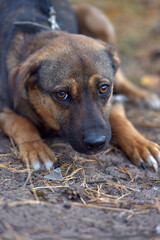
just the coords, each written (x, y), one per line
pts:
(153, 101)
(149, 99)
(143, 152)
(37, 154)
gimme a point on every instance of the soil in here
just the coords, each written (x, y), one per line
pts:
(103, 196)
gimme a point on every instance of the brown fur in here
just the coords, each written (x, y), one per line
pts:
(26, 136)
(44, 105)
(136, 147)
(55, 61)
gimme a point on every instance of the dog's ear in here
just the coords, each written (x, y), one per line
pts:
(113, 55)
(18, 78)
(112, 52)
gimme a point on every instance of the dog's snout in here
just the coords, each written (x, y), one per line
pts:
(95, 143)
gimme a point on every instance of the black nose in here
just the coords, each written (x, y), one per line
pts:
(95, 143)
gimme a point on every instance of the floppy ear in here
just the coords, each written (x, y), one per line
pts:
(113, 55)
(19, 76)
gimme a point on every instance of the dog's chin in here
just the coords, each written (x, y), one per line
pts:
(86, 151)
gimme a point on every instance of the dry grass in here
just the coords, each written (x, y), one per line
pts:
(91, 196)
(93, 191)
(13, 168)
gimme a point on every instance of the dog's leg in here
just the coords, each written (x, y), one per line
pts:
(93, 22)
(135, 93)
(26, 136)
(136, 147)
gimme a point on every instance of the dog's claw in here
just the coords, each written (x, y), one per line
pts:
(143, 165)
(152, 163)
(158, 158)
(37, 155)
(144, 153)
(48, 165)
(36, 165)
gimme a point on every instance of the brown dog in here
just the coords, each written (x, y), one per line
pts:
(54, 80)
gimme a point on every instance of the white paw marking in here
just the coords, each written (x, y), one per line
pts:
(119, 98)
(158, 158)
(153, 102)
(36, 165)
(48, 165)
(152, 163)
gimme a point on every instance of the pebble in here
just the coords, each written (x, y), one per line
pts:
(55, 175)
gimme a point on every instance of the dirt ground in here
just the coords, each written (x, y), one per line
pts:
(103, 196)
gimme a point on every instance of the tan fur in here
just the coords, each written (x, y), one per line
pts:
(128, 138)
(72, 83)
(26, 136)
(74, 86)
(92, 81)
(93, 78)
(44, 106)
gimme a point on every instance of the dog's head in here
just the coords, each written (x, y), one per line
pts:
(69, 83)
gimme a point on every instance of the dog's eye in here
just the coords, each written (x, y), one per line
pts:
(104, 89)
(61, 95)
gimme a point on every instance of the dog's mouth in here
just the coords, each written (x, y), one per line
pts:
(89, 150)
